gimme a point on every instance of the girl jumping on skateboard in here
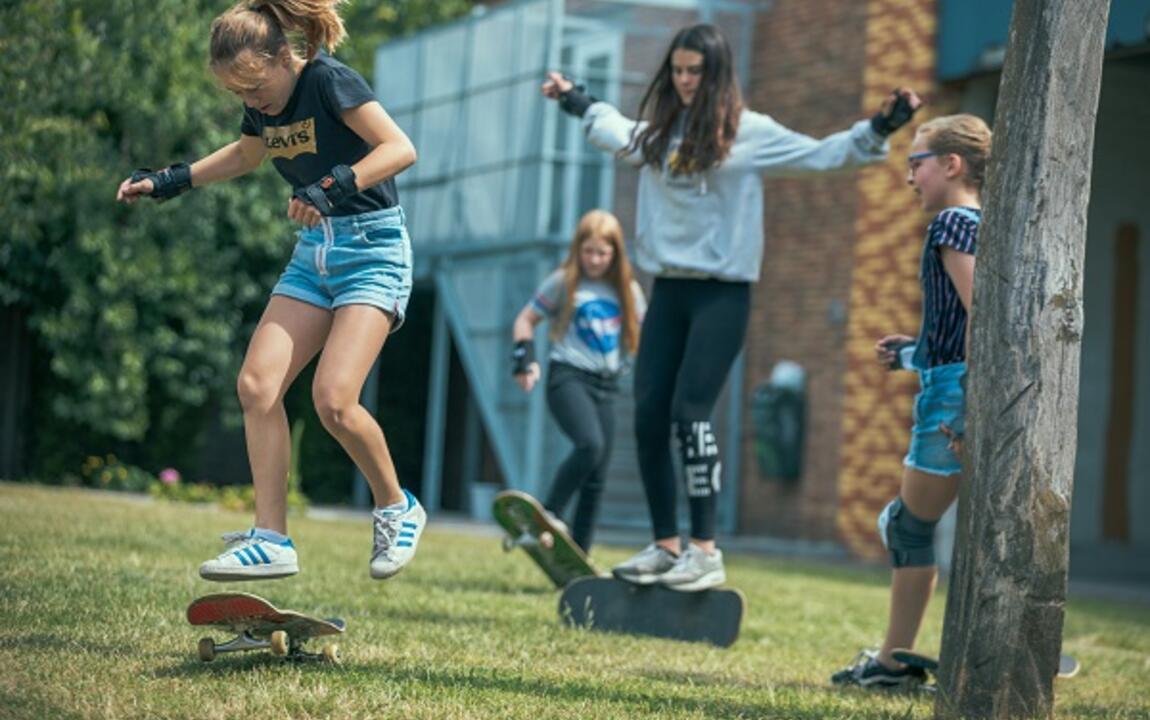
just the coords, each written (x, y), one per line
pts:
(348, 282)
(595, 308)
(947, 166)
(702, 156)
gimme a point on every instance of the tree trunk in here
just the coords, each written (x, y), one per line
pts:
(1003, 630)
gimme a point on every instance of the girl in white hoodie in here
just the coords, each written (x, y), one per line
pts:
(700, 234)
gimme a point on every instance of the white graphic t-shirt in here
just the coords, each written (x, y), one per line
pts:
(594, 337)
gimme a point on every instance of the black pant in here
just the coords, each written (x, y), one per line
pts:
(583, 405)
(691, 335)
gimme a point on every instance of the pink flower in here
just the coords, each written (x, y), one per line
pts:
(170, 476)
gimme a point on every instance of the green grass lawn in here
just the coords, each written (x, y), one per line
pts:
(93, 589)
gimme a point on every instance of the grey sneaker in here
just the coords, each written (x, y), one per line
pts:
(396, 536)
(646, 566)
(695, 570)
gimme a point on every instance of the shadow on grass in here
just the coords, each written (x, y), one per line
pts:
(700, 679)
(33, 705)
(41, 641)
(432, 617)
(1083, 711)
(871, 575)
(654, 699)
(491, 583)
(242, 662)
(483, 680)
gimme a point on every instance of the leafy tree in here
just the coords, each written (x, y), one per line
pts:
(139, 314)
(371, 23)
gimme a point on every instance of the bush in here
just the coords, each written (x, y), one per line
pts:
(141, 314)
(108, 473)
(229, 497)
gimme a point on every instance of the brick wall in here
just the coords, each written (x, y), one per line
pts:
(885, 294)
(807, 73)
(840, 264)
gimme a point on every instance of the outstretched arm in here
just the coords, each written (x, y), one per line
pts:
(232, 160)
(606, 128)
(781, 151)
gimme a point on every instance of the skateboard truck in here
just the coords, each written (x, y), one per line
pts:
(279, 643)
(526, 540)
(259, 625)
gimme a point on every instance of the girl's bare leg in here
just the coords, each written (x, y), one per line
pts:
(357, 335)
(927, 497)
(288, 336)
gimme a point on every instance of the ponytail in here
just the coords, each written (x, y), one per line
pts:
(262, 26)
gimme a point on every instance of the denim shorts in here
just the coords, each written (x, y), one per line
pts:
(360, 259)
(942, 400)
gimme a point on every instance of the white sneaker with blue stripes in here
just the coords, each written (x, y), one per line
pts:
(396, 536)
(252, 555)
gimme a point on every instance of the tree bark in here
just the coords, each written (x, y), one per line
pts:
(1003, 629)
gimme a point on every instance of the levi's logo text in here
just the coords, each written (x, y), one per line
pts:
(287, 141)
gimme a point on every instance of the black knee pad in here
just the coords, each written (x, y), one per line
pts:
(699, 452)
(909, 539)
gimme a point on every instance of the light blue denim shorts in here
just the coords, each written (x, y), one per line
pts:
(352, 260)
(942, 400)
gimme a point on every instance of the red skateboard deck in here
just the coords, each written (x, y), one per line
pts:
(258, 624)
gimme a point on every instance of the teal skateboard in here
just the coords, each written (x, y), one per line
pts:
(529, 527)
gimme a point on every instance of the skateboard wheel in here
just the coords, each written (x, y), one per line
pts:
(206, 649)
(547, 540)
(331, 653)
(279, 643)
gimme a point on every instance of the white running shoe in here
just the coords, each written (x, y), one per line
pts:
(695, 570)
(396, 536)
(252, 556)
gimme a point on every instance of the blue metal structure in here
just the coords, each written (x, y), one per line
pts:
(500, 184)
(973, 33)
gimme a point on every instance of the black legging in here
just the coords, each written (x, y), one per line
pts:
(583, 405)
(691, 335)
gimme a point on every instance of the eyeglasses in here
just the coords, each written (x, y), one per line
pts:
(914, 159)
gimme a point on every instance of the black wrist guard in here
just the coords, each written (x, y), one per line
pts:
(900, 114)
(167, 183)
(576, 100)
(522, 356)
(330, 190)
(903, 353)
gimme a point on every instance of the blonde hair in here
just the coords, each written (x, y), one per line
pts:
(605, 226)
(262, 26)
(964, 135)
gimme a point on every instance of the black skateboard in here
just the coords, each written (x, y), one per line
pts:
(610, 605)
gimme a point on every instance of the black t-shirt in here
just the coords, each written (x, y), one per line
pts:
(309, 138)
